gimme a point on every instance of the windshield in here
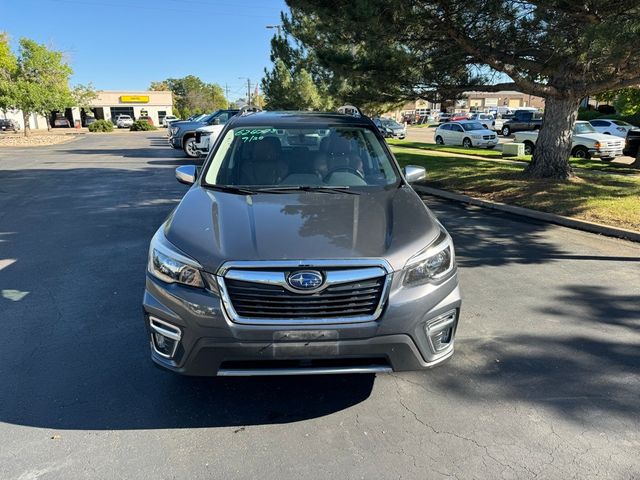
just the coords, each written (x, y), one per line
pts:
(391, 124)
(472, 126)
(583, 128)
(317, 156)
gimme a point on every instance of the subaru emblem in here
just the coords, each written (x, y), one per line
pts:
(305, 280)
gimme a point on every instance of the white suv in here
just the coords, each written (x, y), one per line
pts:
(124, 121)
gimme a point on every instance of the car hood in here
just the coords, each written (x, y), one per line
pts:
(597, 137)
(185, 125)
(210, 128)
(213, 227)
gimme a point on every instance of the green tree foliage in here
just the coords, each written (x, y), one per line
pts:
(8, 66)
(388, 50)
(296, 82)
(191, 95)
(39, 82)
(83, 96)
(626, 101)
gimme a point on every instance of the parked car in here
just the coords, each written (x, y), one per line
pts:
(182, 134)
(612, 127)
(124, 121)
(587, 142)
(632, 144)
(7, 125)
(487, 120)
(146, 118)
(168, 119)
(468, 133)
(522, 120)
(500, 120)
(61, 122)
(389, 128)
(89, 120)
(444, 117)
(278, 261)
(456, 117)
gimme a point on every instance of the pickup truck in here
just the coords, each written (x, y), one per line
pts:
(632, 145)
(522, 120)
(486, 119)
(587, 142)
(182, 134)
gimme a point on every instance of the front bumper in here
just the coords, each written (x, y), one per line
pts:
(605, 153)
(211, 344)
(484, 143)
(203, 145)
(175, 142)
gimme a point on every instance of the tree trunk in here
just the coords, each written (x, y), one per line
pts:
(553, 147)
(48, 123)
(27, 128)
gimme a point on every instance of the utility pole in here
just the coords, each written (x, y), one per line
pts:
(248, 89)
(226, 91)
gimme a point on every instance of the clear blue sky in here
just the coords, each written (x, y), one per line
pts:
(125, 44)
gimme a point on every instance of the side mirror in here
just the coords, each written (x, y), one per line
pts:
(414, 173)
(187, 174)
(215, 121)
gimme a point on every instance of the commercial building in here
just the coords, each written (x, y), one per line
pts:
(107, 106)
(110, 104)
(511, 99)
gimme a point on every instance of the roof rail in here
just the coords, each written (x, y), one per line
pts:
(350, 110)
(248, 109)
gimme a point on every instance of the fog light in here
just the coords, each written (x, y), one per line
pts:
(164, 338)
(440, 330)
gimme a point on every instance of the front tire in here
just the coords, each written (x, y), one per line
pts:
(506, 131)
(528, 147)
(466, 143)
(580, 152)
(439, 140)
(189, 147)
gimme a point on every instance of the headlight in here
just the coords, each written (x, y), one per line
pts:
(433, 263)
(205, 134)
(174, 130)
(166, 263)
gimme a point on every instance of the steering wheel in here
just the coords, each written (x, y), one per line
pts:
(343, 169)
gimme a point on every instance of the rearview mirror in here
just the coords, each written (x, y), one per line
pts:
(186, 174)
(414, 173)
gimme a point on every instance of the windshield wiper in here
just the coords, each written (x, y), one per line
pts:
(306, 188)
(232, 189)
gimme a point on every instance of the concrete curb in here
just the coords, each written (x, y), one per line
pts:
(535, 214)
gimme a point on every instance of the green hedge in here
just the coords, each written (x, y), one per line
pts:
(101, 126)
(584, 114)
(141, 125)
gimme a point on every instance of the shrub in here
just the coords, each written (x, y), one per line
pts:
(101, 126)
(141, 126)
(584, 114)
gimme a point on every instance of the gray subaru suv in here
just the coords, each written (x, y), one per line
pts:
(300, 248)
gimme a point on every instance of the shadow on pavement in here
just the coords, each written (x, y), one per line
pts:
(582, 378)
(75, 352)
(597, 304)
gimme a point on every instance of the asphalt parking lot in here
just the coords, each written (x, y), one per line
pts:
(545, 381)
